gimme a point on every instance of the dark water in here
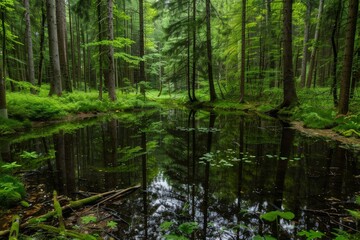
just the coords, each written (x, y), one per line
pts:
(219, 170)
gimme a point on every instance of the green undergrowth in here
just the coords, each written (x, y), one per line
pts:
(42, 108)
(348, 126)
(10, 126)
(315, 117)
(12, 190)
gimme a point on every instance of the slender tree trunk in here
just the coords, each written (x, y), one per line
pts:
(355, 75)
(315, 47)
(83, 32)
(29, 46)
(188, 86)
(42, 40)
(73, 74)
(290, 96)
(62, 41)
(194, 52)
(55, 87)
(98, 3)
(111, 73)
(77, 81)
(3, 109)
(243, 46)
(209, 52)
(335, 53)
(141, 45)
(348, 57)
(305, 44)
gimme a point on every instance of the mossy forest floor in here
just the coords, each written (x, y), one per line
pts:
(316, 109)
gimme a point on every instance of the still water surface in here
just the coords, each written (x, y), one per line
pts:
(219, 170)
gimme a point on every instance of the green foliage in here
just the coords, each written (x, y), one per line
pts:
(111, 224)
(89, 219)
(315, 117)
(225, 158)
(178, 233)
(11, 191)
(311, 234)
(29, 155)
(165, 226)
(348, 126)
(314, 120)
(274, 215)
(266, 237)
(32, 107)
(188, 227)
(10, 166)
(9, 126)
(23, 85)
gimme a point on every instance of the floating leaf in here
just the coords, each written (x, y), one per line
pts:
(273, 215)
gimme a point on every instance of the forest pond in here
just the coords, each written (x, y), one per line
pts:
(215, 172)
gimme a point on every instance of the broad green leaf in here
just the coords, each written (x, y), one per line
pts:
(286, 215)
(270, 216)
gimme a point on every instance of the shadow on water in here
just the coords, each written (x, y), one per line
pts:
(214, 173)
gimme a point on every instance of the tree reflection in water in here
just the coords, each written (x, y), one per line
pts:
(258, 165)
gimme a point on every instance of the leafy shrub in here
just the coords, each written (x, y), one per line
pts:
(315, 117)
(32, 107)
(8, 126)
(11, 190)
(348, 125)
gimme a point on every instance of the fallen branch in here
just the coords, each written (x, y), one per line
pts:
(326, 213)
(74, 205)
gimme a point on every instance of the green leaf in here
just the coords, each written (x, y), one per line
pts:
(357, 200)
(286, 215)
(10, 165)
(270, 216)
(188, 227)
(88, 219)
(355, 214)
(311, 234)
(273, 215)
(266, 237)
(166, 225)
(175, 237)
(29, 155)
(112, 224)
